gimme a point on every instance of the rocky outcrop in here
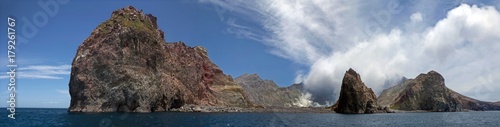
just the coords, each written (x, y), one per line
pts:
(428, 92)
(126, 65)
(266, 93)
(474, 104)
(296, 86)
(355, 97)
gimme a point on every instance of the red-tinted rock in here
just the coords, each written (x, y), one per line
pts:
(126, 65)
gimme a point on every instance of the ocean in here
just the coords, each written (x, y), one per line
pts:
(60, 117)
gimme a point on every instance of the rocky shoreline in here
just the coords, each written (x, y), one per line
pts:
(217, 109)
(198, 108)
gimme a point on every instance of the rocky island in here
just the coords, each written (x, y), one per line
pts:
(125, 65)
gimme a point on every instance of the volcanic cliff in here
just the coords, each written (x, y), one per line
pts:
(355, 97)
(266, 93)
(428, 92)
(126, 65)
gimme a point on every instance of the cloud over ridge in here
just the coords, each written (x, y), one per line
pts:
(382, 41)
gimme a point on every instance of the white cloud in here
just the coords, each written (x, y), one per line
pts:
(50, 102)
(330, 37)
(41, 72)
(305, 101)
(299, 78)
(300, 30)
(416, 17)
(243, 31)
(63, 91)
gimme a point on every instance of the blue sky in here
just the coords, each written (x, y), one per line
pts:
(283, 40)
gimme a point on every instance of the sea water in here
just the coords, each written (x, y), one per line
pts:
(60, 117)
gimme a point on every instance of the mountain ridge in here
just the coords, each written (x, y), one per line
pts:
(267, 93)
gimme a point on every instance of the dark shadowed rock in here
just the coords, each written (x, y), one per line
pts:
(355, 97)
(297, 86)
(126, 65)
(266, 93)
(428, 92)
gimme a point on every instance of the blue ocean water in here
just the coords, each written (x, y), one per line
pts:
(60, 117)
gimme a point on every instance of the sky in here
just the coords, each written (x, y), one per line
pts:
(286, 41)
(383, 40)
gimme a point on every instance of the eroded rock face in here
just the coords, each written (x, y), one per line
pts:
(428, 92)
(355, 97)
(266, 93)
(126, 65)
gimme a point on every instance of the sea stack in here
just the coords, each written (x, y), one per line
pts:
(355, 97)
(126, 65)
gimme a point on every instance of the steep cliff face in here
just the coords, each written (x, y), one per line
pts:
(296, 86)
(428, 92)
(126, 65)
(266, 93)
(355, 97)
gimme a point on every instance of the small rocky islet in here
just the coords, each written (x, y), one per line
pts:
(356, 98)
(125, 65)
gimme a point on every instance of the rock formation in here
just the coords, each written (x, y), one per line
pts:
(266, 93)
(126, 65)
(355, 97)
(296, 86)
(428, 92)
